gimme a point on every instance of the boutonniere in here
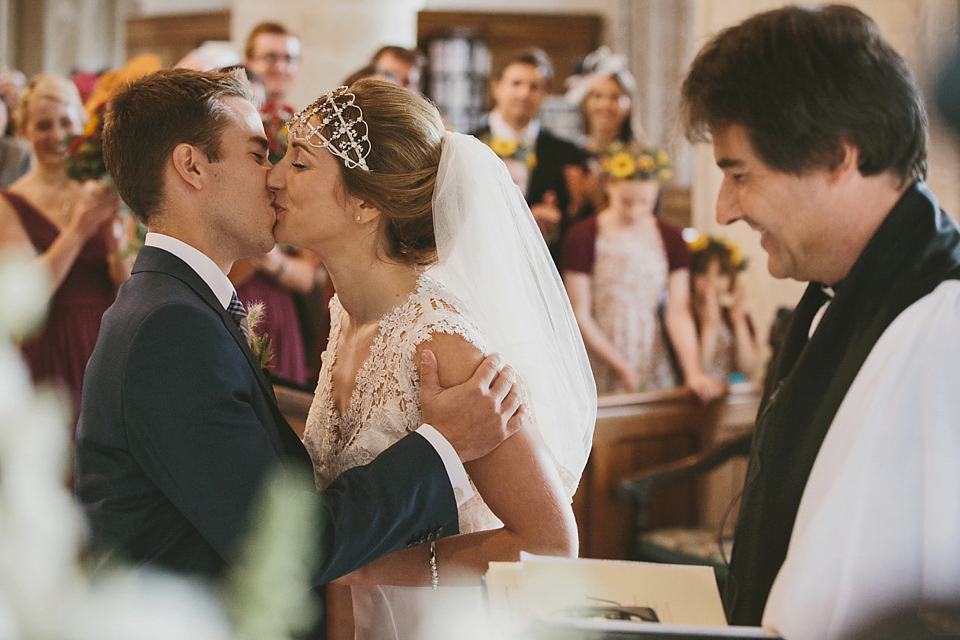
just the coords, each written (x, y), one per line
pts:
(259, 342)
(506, 148)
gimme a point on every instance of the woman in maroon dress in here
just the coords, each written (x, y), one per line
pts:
(73, 230)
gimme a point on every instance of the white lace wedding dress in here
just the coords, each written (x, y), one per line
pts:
(384, 407)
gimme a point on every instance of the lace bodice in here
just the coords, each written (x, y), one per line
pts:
(385, 405)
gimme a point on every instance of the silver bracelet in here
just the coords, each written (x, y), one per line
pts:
(434, 575)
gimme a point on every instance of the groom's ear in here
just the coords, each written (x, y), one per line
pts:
(188, 162)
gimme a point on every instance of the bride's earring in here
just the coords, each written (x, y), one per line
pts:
(358, 218)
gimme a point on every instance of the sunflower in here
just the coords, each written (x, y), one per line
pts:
(503, 147)
(701, 243)
(621, 166)
(646, 163)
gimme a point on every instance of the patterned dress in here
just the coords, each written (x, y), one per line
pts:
(629, 272)
(383, 408)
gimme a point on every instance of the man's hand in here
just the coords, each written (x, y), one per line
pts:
(476, 416)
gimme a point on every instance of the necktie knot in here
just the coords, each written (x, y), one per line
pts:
(239, 315)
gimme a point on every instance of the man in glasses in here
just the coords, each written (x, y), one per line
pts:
(273, 52)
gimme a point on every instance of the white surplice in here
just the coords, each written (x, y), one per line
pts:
(879, 521)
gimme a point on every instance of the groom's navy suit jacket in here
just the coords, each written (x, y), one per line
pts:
(179, 425)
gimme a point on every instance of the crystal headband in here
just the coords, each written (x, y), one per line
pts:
(348, 131)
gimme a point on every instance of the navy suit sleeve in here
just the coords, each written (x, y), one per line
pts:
(402, 498)
(197, 422)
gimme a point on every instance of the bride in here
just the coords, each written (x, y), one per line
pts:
(433, 252)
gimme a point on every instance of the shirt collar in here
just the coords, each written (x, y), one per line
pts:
(526, 136)
(198, 261)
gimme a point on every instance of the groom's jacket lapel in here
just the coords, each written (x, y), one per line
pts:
(161, 261)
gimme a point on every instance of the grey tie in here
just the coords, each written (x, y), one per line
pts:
(239, 315)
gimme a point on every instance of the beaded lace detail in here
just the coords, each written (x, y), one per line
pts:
(385, 405)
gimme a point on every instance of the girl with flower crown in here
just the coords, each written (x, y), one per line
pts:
(430, 246)
(728, 343)
(618, 266)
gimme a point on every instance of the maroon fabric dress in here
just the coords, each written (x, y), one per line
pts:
(280, 323)
(59, 352)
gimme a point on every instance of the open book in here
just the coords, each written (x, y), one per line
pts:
(638, 599)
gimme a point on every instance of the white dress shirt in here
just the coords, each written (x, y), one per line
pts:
(223, 289)
(879, 521)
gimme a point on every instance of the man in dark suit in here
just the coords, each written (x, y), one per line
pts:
(178, 422)
(535, 157)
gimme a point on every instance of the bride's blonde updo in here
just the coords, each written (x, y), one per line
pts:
(406, 133)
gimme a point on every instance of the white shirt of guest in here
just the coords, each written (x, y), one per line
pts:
(879, 521)
(526, 137)
(223, 289)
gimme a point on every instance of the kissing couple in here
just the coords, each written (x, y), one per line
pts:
(430, 459)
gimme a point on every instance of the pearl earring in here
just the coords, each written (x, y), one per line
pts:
(358, 218)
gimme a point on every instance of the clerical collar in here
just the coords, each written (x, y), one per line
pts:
(829, 293)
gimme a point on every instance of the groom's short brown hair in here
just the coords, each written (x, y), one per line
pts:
(147, 120)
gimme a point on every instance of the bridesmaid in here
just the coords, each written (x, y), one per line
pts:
(75, 231)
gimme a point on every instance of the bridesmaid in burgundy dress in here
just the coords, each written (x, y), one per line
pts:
(74, 230)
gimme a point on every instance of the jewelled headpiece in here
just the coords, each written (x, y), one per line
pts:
(343, 120)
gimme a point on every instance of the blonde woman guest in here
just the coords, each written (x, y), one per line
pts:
(75, 231)
(374, 185)
(618, 266)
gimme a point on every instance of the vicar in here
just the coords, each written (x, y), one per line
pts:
(178, 422)
(852, 496)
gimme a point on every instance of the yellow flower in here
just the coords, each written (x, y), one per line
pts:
(503, 147)
(735, 256)
(665, 173)
(646, 163)
(532, 160)
(92, 123)
(701, 243)
(662, 157)
(621, 166)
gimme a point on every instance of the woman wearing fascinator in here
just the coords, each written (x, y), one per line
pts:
(430, 245)
(603, 90)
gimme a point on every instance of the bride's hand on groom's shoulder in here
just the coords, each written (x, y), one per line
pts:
(476, 416)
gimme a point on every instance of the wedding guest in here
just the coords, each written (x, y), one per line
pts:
(535, 157)
(850, 507)
(15, 156)
(273, 52)
(618, 266)
(728, 343)
(12, 83)
(400, 65)
(74, 230)
(603, 89)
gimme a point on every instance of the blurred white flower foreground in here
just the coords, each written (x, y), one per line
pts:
(44, 590)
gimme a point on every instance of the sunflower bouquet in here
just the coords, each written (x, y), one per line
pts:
(634, 162)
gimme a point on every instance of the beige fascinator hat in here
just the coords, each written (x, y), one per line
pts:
(596, 66)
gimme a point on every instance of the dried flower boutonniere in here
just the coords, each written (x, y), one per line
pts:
(259, 342)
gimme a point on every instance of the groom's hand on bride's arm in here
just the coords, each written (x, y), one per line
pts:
(476, 416)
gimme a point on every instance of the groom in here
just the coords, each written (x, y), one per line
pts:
(178, 423)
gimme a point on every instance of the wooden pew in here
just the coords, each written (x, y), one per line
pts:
(636, 431)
